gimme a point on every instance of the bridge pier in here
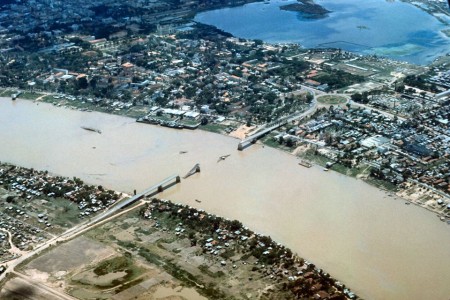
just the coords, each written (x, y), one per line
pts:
(178, 179)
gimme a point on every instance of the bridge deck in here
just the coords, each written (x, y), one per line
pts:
(153, 189)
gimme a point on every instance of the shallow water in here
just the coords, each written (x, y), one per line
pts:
(396, 30)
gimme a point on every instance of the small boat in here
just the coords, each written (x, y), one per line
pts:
(223, 157)
(183, 152)
(91, 129)
(196, 200)
(408, 203)
(325, 169)
(305, 164)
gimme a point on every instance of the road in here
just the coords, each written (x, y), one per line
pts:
(112, 212)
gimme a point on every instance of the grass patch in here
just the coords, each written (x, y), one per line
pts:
(315, 158)
(113, 265)
(125, 244)
(6, 93)
(216, 128)
(151, 257)
(331, 99)
(171, 268)
(127, 285)
(30, 95)
(66, 214)
(382, 184)
(207, 271)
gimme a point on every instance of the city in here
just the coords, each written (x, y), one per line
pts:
(372, 118)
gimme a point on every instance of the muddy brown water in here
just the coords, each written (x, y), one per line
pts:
(373, 243)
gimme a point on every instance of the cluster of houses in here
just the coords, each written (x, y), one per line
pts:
(23, 214)
(398, 150)
(31, 184)
(222, 239)
(184, 75)
(24, 235)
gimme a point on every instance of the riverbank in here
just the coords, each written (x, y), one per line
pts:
(308, 208)
(221, 253)
(309, 154)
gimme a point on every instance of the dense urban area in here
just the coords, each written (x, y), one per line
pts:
(377, 119)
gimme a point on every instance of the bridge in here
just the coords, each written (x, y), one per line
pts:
(195, 169)
(254, 137)
(283, 121)
(153, 190)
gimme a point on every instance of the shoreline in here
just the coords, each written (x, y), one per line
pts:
(295, 269)
(324, 15)
(286, 236)
(313, 162)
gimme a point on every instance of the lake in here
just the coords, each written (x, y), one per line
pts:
(391, 29)
(373, 243)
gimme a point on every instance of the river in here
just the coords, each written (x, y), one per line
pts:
(391, 29)
(373, 243)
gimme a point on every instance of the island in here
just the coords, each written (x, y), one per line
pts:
(307, 7)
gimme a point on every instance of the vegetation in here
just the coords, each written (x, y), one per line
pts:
(337, 79)
(230, 238)
(331, 99)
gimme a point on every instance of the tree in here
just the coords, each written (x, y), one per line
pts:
(357, 97)
(258, 42)
(82, 83)
(290, 143)
(400, 88)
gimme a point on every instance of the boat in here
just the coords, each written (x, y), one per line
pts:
(325, 169)
(91, 129)
(196, 200)
(223, 157)
(172, 124)
(147, 120)
(192, 127)
(305, 164)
